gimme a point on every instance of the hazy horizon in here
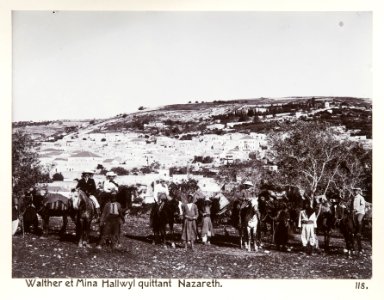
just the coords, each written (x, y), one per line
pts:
(85, 65)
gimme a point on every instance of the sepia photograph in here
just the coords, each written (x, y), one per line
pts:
(155, 149)
(191, 145)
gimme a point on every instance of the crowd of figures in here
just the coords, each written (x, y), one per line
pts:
(268, 215)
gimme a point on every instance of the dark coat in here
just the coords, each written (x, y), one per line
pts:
(88, 187)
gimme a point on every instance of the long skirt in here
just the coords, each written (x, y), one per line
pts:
(189, 232)
(207, 228)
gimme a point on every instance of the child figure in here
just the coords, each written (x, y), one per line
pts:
(308, 223)
(207, 228)
(111, 220)
(190, 213)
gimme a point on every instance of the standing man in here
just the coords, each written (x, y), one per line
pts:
(358, 213)
(88, 186)
(308, 223)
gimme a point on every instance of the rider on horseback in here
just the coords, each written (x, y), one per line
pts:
(88, 186)
(110, 187)
(244, 197)
(160, 191)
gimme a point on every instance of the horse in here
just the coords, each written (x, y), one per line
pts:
(53, 205)
(162, 214)
(348, 228)
(125, 196)
(326, 221)
(282, 230)
(268, 208)
(85, 212)
(248, 226)
(245, 220)
(30, 222)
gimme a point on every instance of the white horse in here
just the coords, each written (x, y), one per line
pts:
(250, 222)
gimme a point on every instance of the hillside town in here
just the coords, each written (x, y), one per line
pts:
(91, 147)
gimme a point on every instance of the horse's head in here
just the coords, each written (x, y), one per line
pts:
(76, 196)
(37, 199)
(175, 208)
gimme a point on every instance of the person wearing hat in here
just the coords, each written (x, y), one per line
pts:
(358, 210)
(88, 186)
(160, 191)
(308, 223)
(207, 227)
(243, 199)
(110, 187)
(190, 214)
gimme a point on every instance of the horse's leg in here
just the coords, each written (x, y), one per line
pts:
(80, 228)
(249, 229)
(164, 235)
(45, 219)
(327, 235)
(241, 237)
(87, 232)
(172, 234)
(255, 237)
(64, 227)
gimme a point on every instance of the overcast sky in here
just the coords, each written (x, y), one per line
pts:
(71, 65)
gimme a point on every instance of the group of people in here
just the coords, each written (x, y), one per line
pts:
(112, 212)
(190, 214)
(308, 220)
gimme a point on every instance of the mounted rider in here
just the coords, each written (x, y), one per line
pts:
(88, 186)
(110, 187)
(244, 197)
(160, 191)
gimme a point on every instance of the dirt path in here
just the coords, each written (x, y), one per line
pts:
(60, 257)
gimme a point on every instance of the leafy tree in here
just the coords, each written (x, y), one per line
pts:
(186, 187)
(26, 168)
(58, 177)
(120, 171)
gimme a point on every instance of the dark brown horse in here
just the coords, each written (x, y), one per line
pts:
(85, 212)
(126, 195)
(53, 205)
(164, 214)
(326, 221)
(348, 228)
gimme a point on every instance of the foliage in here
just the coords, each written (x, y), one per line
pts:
(120, 171)
(26, 168)
(311, 158)
(186, 187)
(58, 177)
(203, 159)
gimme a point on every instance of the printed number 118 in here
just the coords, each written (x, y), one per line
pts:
(360, 286)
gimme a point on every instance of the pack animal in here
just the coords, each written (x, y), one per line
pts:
(163, 214)
(53, 205)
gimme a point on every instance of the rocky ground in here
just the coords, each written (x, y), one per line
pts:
(59, 257)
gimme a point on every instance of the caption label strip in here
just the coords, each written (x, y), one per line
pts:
(121, 283)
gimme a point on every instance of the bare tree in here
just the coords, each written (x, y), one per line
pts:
(312, 158)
